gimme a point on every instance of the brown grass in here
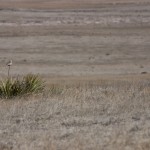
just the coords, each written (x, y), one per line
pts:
(108, 114)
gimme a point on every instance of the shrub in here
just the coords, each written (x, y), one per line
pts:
(28, 84)
(7, 88)
(32, 84)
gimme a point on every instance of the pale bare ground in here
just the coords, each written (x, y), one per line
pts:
(96, 41)
(63, 4)
(96, 55)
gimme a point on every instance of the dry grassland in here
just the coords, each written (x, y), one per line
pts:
(103, 114)
(95, 58)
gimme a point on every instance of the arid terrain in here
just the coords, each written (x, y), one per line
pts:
(98, 53)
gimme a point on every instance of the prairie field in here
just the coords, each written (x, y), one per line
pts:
(94, 56)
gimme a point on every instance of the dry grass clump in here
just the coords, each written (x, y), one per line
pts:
(55, 89)
(29, 84)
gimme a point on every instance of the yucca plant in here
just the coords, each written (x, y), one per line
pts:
(32, 84)
(5, 88)
(18, 87)
(9, 88)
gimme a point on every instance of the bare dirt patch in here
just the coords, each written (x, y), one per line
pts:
(111, 40)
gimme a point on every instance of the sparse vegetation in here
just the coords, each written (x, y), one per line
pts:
(28, 84)
(102, 114)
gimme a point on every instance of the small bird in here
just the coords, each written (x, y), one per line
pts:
(9, 63)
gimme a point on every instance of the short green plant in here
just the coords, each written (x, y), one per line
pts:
(28, 84)
(6, 88)
(33, 84)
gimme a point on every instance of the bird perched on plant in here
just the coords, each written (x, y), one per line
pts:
(9, 63)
